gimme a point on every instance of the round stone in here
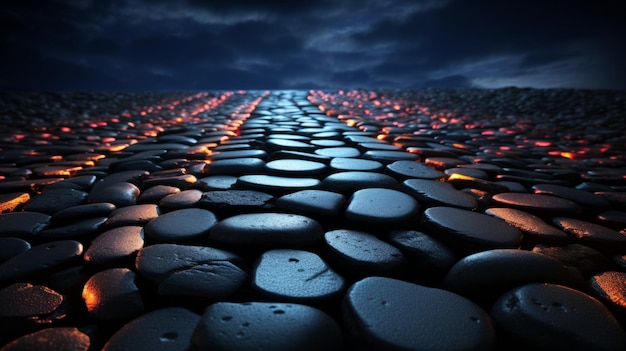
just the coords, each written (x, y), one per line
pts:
(339, 152)
(133, 215)
(155, 193)
(28, 301)
(548, 317)
(587, 200)
(51, 339)
(52, 201)
(181, 225)
(217, 182)
(231, 200)
(381, 205)
(266, 326)
(119, 194)
(531, 225)
(386, 156)
(295, 275)
(313, 201)
(295, 167)
(354, 164)
(22, 224)
(115, 245)
(427, 255)
(113, 295)
(592, 234)
(349, 182)
(610, 288)
(275, 184)
(267, 230)
(413, 169)
(11, 247)
(375, 308)
(166, 329)
(83, 211)
(536, 203)
(439, 194)
(251, 153)
(236, 166)
(184, 199)
(589, 261)
(470, 231)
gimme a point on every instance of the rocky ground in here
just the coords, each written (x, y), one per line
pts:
(293, 220)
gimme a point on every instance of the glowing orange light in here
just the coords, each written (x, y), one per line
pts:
(351, 122)
(543, 143)
(381, 136)
(90, 297)
(66, 129)
(567, 154)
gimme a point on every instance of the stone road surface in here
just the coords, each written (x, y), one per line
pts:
(297, 220)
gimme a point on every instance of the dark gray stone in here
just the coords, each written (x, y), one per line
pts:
(181, 225)
(51, 339)
(439, 194)
(531, 225)
(52, 201)
(349, 182)
(413, 169)
(313, 201)
(133, 215)
(381, 205)
(23, 224)
(113, 295)
(11, 247)
(101, 209)
(115, 245)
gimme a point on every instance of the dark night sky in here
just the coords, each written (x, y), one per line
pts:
(286, 44)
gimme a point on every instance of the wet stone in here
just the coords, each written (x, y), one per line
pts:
(24, 300)
(349, 182)
(275, 184)
(381, 205)
(22, 224)
(191, 270)
(182, 181)
(184, 199)
(386, 156)
(52, 339)
(256, 325)
(319, 202)
(267, 230)
(285, 144)
(80, 229)
(610, 288)
(11, 247)
(295, 275)
(588, 201)
(469, 172)
(115, 245)
(295, 167)
(413, 169)
(540, 205)
(486, 275)
(119, 194)
(217, 182)
(563, 318)
(461, 181)
(165, 329)
(155, 193)
(250, 153)
(358, 253)
(592, 234)
(354, 164)
(113, 295)
(236, 166)
(40, 259)
(374, 307)
(232, 200)
(181, 225)
(531, 225)
(467, 231)
(326, 143)
(429, 257)
(439, 194)
(9, 202)
(339, 152)
(133, 215)
(589, 261)
(102, 209)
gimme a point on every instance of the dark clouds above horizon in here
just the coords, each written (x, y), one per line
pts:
(282, 44)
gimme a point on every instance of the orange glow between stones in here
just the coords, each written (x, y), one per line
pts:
(381, 136)
(90, 297)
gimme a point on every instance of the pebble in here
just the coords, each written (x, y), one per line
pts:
(374, 307)
(439, 194)
(429, 257)
(119, 194)
(113, 295)
(236, 166)
(184, 199)
(531, 225)
(586, 200)
(381, 205)
(101, 209)
(23, 224)
(296, 168)
(412, 169)
(155, 193)
(610, 288)
(52, 201)
(165, 329)
(266, 326)
(592, 234)
(267, 230)
(11, 247)
(132, 215)
(549, 317)
(51, 339)
(276, 184)
(115, 245)
(351, 181)
(541, 205)
(81, 229)
(320, 202)
(467, 231)
(589, 261)
(232, 200)
(181, 225)
(340, 164)
(339, 152)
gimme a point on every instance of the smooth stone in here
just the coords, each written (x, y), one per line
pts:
(589, 261)
(413, 169)
(140, 147)
(191, 270)
(592, 234)
(9, 202)
(119, 194)
(541, 205)
(11, 247)
(227, 326)
(52, 201)
(469, 172)
(275, 184)
(27, 185)
(460, 181)
(133, 215)
(184, 199)
(586, 200)
(217, 182)
(439, 194)
(51, 339)
(378, 146)
(181, 225)
(296, 276)
(354, 164)
(349, 182)
(236, 166)
(115, 245)
(610, 288)
(359, 253)
(267, 230)
(134, 177)
(295, 167)
(381, 205)
(427, 255)
(297, 155)
(22, 224)
(468, 231)
(327, 143)
(339, 152)
(181, 181)
(113, 295)
(386, 156)
(155, 193)
(553, 317)
(165, 329)
(28, 301)
(319, 202)
(388, 314)
(101, 209)
(236, 199)
(40, 259)
(531, 225)
(285, 144)
(250, 153)
(79, 229)
(485, 275)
